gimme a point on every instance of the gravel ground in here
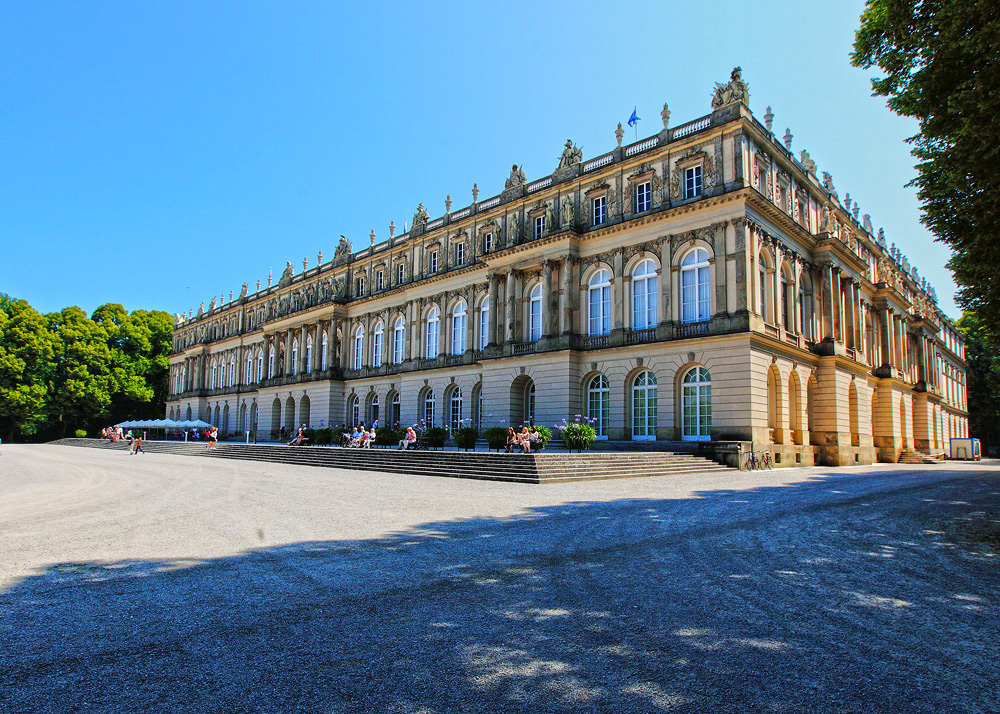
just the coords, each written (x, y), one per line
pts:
(161, 583)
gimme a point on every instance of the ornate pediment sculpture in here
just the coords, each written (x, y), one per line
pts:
(735, 91)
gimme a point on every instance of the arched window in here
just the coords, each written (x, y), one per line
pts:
(762, 286)
(359, 347)
(696, 405)
(529, 404)
(260, 365)
(599, 303)
(644, 407)
(696, 286)
(354, 410)
(398, 340)
(599, 405)
(212, 382)
(806, 306)
(248, 376)
(394, 411)
(232, 370)
(458, 329)
(323, 344)
(456, 410)
(644, 295)
(484, 323)
(535, 313)
(295, 358)
(377, 345)
(787, 320)
(270, 364)
(428, 408)
(373, 410)
(309, 354)
(433, 330)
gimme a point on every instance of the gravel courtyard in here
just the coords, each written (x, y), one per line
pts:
(161, 583)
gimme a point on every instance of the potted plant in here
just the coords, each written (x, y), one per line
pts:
(577, 434)
(466, 437)
(496, 437)
(434, 437)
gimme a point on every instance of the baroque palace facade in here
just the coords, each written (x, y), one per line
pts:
(700, 284)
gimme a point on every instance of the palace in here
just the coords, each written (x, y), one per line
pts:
(699, 284)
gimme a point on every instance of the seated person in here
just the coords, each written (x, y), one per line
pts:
(512, 440)
(367, 438)
(409, 438)
(345, 438)
(534, 438)
(525, 439)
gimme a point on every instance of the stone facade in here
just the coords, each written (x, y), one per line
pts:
(698, 284)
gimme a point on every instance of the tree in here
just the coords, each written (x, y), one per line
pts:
(942, 65)
(982, 354)
(26, 362)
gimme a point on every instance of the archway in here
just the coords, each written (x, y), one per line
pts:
(225, 420)
(253, 417)
(794, 408)
(644, 407)
(774, 416)
(304, 406)
(852, 411)
(811, 386)
(522, 401)
(289, 422)
(275, 417)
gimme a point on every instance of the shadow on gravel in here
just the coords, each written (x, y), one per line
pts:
(837, 595)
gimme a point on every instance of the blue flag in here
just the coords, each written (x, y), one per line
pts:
(632, 120)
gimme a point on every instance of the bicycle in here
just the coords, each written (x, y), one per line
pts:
(753, 462)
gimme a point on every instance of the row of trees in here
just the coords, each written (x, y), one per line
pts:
(65, 370)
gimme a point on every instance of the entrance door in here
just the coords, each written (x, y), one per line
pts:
(644, 407)
(696, 400)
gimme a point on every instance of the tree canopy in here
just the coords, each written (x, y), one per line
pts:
(941, 60)
(67, 370)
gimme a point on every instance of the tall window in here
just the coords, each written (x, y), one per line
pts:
(377, 345)
(379, 280)
(643, 197)
(373, 410)
(400, 273)
(599, 405)
(249, 373)
(458, 329)
(762, 286)
(599, 303)
(433, 329)
(398, 340)
(488, 243)
(429, 408)
(456, 410)
(600, 212)
(355, 410)
(359, 347)
(539, 226)
(695, 287)
(309, 354)
(460, 254)
(211, 384)
(360, 285)
(232, 370)
(270, 364)
(394, 410)
(644, 411)
(323, 344)
(260, 365)
(644, 295)
(786, 313)
(295, 357)
(434, 262)
(484, 323)
(692, 182)
(529, 405)
(535, 313)
(696, 405)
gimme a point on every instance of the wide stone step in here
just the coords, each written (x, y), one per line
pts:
(491, 466)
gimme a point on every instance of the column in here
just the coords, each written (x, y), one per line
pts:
(492, 281)
(509, 314)
(546, 298)
(303, 335)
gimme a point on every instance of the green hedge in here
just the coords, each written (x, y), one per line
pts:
(434, 437)
(496, 437)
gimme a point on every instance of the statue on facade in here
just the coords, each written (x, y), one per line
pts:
(867, 224)
(201, 309)
(881, 237)
(735, 91)
(343, 248)
(516, 178)
(512, 229)
(420, 219)
(567, 212)
(571, 156)
(828, 185)
(286, 275)
(829, 222)
(807, 163)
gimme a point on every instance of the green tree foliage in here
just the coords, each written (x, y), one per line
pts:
(65, 370)
(942, 65)
(982, 354)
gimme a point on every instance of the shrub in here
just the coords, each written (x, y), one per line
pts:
(434, 437)
(496, 437)
(465, 438)
(384, 436)
(323, 437)
(80, 433)
(577, 434)
(544, 436)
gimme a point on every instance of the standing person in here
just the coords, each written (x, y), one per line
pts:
(128, 440)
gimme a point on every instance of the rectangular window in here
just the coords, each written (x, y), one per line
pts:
(643, 197)
(400, 273)
(600, 210)
(692, 182)
(539, 226)
(488, 243)
(460, 254)
(782, 197)
(762, 180)
(379, 280)
(361, 286)
(434, 262)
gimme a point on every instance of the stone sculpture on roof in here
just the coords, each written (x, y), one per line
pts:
(286, 275)
(571, 156)
(516, 178)
(735, 91)
(343, 248)
(420, 219)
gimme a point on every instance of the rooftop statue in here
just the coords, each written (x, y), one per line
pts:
(516, 178)
(420, 219)
(286, 275)
(571, 156)
(243, 291)
(735, 91)
(343, 248)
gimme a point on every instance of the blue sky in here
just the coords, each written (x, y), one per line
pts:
(157, 154)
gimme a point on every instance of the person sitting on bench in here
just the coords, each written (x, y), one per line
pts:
(409, 438)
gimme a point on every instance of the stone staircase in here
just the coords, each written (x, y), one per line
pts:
(915, 457)
(488, 466)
